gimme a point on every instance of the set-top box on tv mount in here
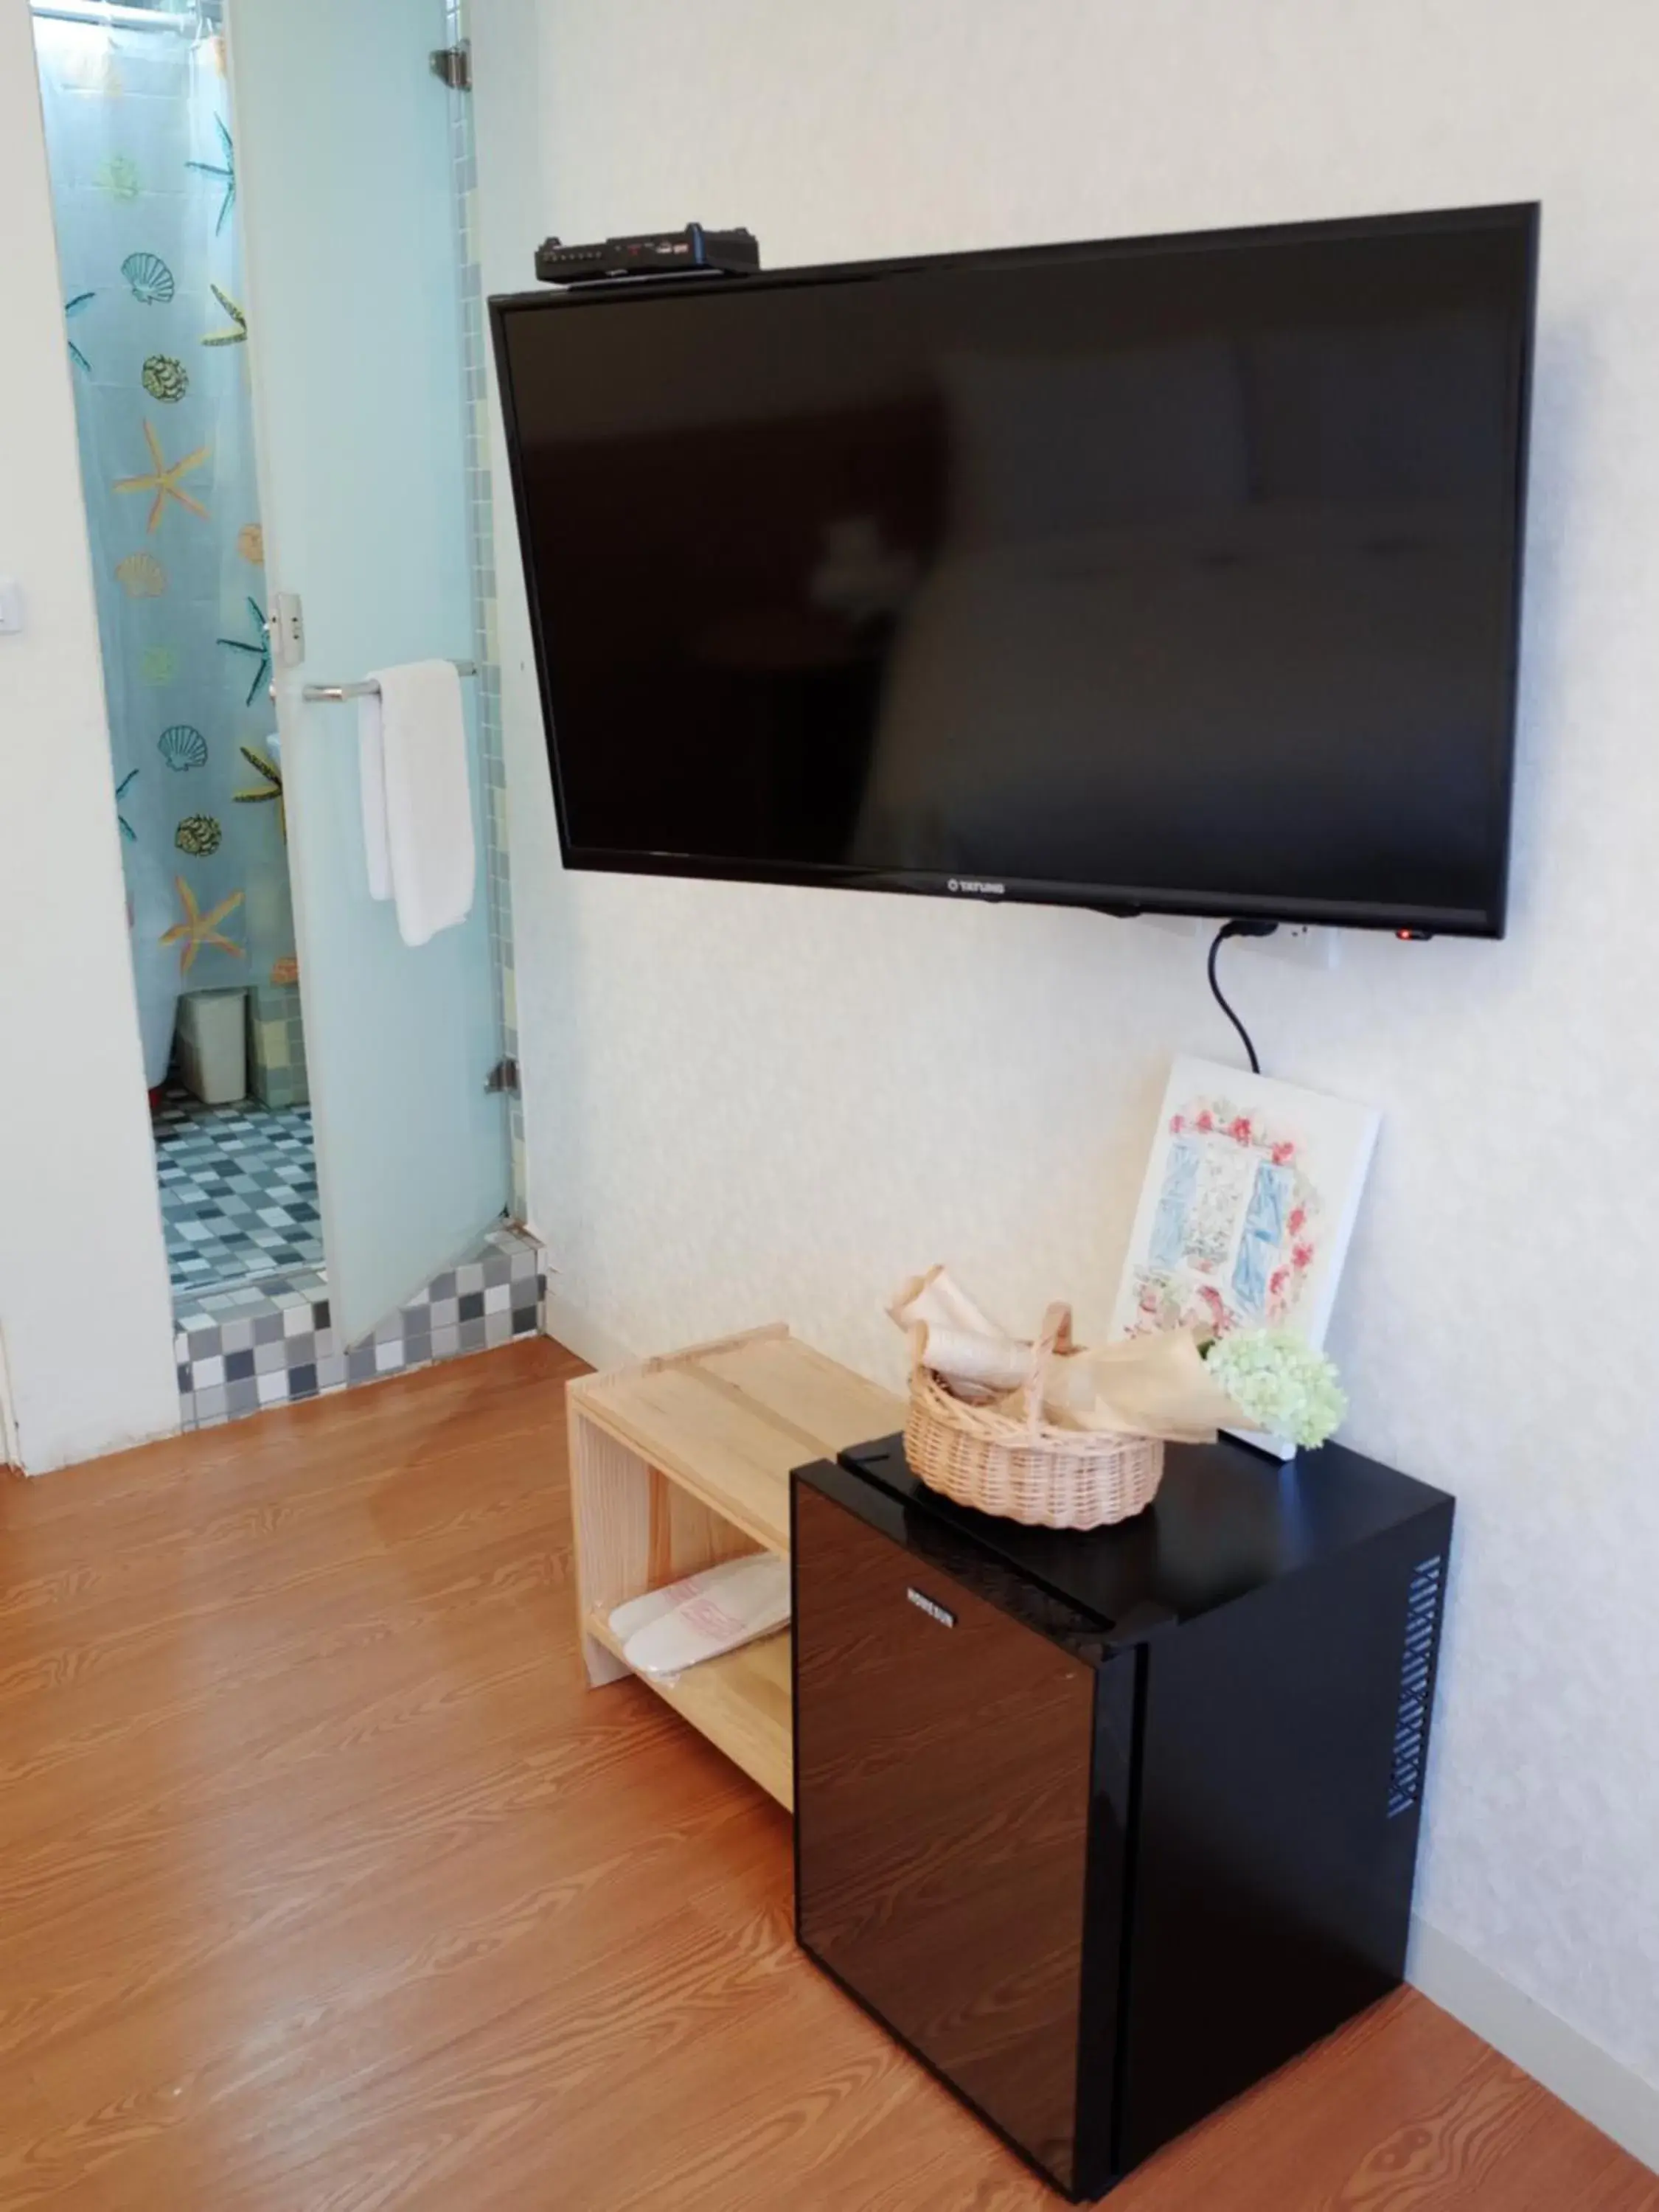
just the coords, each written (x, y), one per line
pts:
(1171, 575)
(692, 252)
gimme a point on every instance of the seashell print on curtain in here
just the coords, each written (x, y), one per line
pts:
(142, 155)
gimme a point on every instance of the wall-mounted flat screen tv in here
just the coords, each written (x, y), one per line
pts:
(1177, 574)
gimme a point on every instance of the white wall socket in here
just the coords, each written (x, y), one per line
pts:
(12, 614)
(1304, 944)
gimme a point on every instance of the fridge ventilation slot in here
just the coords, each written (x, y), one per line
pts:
(1416, 1677)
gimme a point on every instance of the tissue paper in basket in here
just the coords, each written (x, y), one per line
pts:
(1154, 1385)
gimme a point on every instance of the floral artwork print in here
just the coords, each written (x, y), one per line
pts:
(1234, 1232)
(1249, 1200)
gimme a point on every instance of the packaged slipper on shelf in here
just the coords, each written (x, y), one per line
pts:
(706, 1614)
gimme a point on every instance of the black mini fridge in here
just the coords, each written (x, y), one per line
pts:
(1105, 1827)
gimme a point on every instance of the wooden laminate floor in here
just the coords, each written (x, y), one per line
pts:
(326, 1885)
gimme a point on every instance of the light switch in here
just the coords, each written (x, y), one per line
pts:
(11, 605)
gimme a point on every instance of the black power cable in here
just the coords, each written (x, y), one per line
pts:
(1237, 929)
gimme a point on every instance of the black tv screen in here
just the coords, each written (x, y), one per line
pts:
(1177, 574)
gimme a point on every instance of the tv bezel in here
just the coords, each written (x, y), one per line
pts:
(1488, 920)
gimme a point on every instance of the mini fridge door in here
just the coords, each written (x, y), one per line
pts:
(943, 1775)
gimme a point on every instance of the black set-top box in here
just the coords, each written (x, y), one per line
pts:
(690, 251)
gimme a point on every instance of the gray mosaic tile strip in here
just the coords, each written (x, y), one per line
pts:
(277, 1047)
(244, 1362)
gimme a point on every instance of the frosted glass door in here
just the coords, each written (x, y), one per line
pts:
(345, 165)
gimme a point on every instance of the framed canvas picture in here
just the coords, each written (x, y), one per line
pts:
(1247, 1206)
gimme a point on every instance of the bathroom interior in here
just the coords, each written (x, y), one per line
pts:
(143, 168)
(424, 1262)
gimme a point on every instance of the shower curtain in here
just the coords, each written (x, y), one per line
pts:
(143, 167)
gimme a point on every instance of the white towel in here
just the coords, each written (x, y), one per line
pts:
(418, 841)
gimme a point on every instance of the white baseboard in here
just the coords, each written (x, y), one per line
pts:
(579, 1332)
(1609, 2094)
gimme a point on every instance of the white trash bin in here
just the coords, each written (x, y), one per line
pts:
(213, 1044)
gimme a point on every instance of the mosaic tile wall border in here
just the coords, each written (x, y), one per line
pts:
(276, 1045)
(241, 1350)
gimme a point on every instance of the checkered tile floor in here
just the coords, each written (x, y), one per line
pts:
(239, 1192)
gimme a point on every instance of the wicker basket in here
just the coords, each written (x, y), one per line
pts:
(1018, 1465)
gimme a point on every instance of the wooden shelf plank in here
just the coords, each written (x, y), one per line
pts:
(728, 1421)
(724, 1453)
(826, 1406)
(740, 1702)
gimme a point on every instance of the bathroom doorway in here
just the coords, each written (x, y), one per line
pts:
(142, 157)
(370, 1139)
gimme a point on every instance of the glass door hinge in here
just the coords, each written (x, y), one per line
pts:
(454, 65)
(285, 626)
(504, 1076)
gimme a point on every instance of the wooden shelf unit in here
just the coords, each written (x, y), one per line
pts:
(740, 1702)
(683, 1462)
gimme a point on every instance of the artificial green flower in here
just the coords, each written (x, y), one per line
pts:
(1280, 1383)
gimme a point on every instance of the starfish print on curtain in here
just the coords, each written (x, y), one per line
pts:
(197, 929)
(237, 335)
(272, 787)
(163, 479)
(225, 170)
(258, 649)
(78, 305)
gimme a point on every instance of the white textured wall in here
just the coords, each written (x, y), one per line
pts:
(84, 1313)
(747, 1101)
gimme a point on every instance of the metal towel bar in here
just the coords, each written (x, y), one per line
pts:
(319, 694)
